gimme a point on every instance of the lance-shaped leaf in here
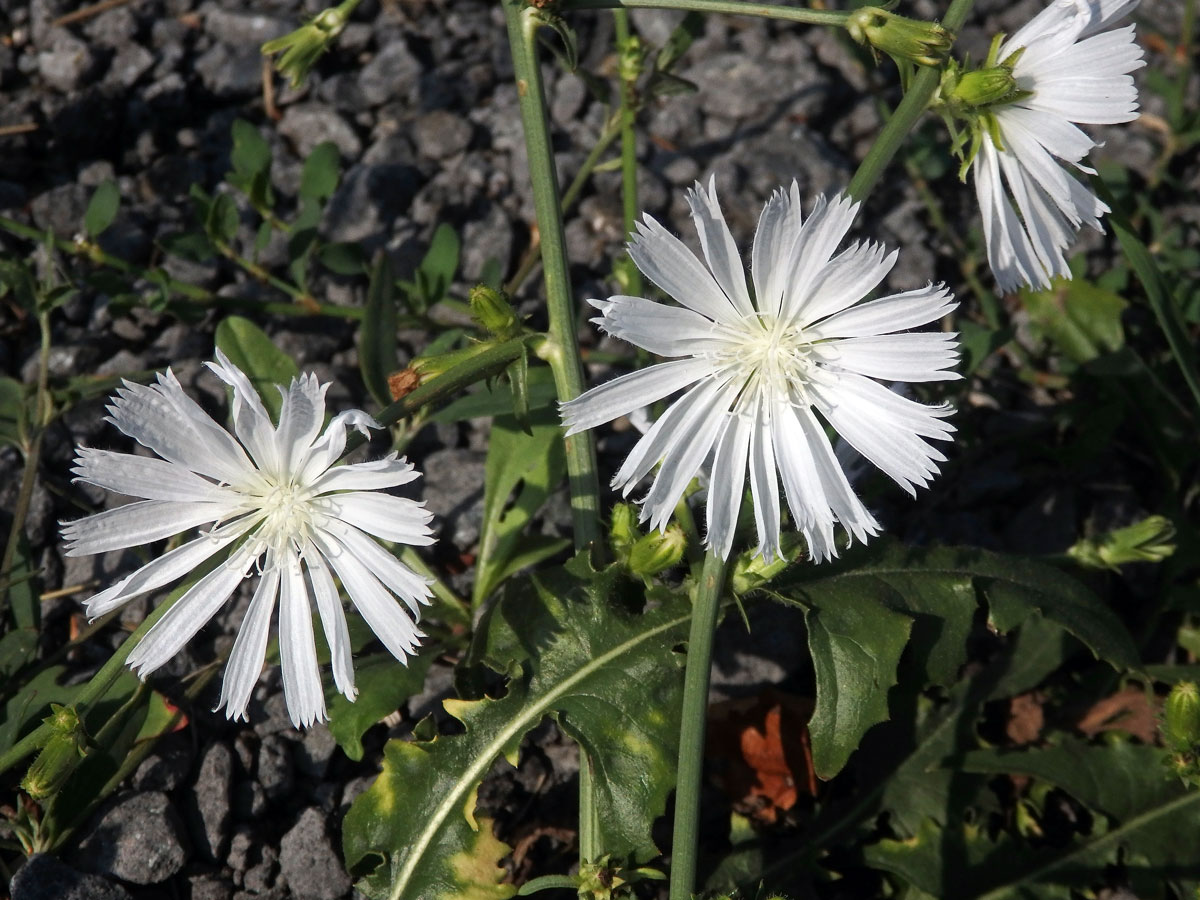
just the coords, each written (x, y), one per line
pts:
(613, 681)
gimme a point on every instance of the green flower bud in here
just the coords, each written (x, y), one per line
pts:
(924, 43)
(304, 46)
(983, 87)
(60, 755)
(428, 367)
(624, 531)
(656, 552)
(491, 309)
(752, 571)
(1146, 541)
(1181, 717)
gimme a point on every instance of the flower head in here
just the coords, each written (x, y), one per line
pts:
(271, 494)
(759, 369)
(1068, 70)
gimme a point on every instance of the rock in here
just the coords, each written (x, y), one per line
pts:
(454, 493)
(243, 29)
(309, 124)
(309, 862)
(212, 799)
(230, 72)
(209, 887)
(128, 66)
(484, 239)
(388, 73)
(138, 839)
(314, 751)
(168, 766)
(249, 801)
(261, 876)
(45, 878)
(440, 134)
(275, 766)
(368, 201)
(61, 209)
(67, 63)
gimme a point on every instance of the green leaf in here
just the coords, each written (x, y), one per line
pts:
(1081, 319)
(488, 401)
(377, 336)
(614, 683)
(525, 468)
(343, 259)
(221, 223)
(383, 685)
(12, 411)
(17, 649)
(102, 208)
(437, 269)
(24, 586)
(856, 644)
(267, 367)
(322, 169)
(251, 154)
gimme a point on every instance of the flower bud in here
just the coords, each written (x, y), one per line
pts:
(924, 43)
(1181, 717)
(1146, 541)
(429, 367)
(983, 87)
(657, 551)
(60, 755)
(624, 531)
(302, 47)
(752, 571)
(491, 309)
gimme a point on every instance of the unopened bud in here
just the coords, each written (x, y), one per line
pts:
(624, 531)
(924, 43)
(491, 309)
(60, 755)
(1181, 717)
(753, 570)
(304, 46)
(1146, 541)
(656, 552)
(429, 367)
(983, 87)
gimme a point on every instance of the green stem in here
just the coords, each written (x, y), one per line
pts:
(452, 606)
(733, 7)
(629, 54)
(93, 691)
(1157, 292)
(686, 837)
(561, 349)
(92, 251)
(916, 100)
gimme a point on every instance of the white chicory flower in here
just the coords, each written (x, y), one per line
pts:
(758, 369)
(1070, 71)
(274, 495)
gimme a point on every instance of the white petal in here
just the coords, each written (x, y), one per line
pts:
(250, 418)
(249, 649)
(191, 612)
(682, 459)
(138, 523)
(163, 418)
(922, 356)
(623, 395)
(778, 228)
(727, 483)
(333, 619)
(162, 570)
(391, 518)
(300, 418)
(847, 508)
(802, 483)
(819, 238)
(665, 330)
(848, 277)
(1009, 251)
(142, 476)
(325, 452)
(718, 245)
(412, 588)
(665, 260)
(297, 648)
(887, 314)
(367, 476)
(386, 617)
(678, 420)
(764, 486)
(1049, 233)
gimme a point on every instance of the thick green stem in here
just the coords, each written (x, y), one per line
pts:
(630, 55)
(686, 836)
(93, 691)
(915, 102)
(734, 7)
(561, 349)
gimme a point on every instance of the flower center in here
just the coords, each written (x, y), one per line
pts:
(287, 515)
(775, 360)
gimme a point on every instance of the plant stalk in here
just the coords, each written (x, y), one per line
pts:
(733, 7)
(686, 836)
